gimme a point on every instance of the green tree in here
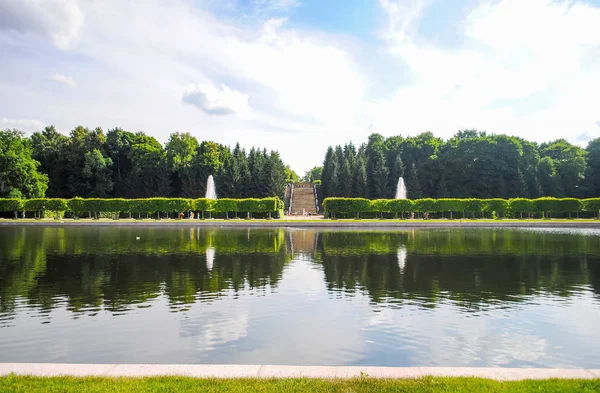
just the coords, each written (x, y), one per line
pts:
(380, 176)
(592, 177)
(291, 176)
(314, 174)
(118, 149)
(275, 179)
(50, 148)
(207, 161)
(396, 172)
(570, 164)
(181, 150)
(81, 141)
(327, 174)
(376, 166)
(97, 175)
(150, 173)
(359, 189)
(19, 176)
(548, 178)
(413, 185)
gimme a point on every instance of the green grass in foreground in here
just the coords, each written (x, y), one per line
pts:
(180, 384)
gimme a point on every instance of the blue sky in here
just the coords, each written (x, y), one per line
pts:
(298, 75)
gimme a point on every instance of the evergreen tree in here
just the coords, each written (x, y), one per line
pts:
(380, 176)
(359, 189)
(345, 180)
(275, 176)
(395, 174)
(162, 180)
(413, 185)
(341, 174)
(375, 153)
(117, 148)
(224, 178)
(592, 178)
(442, 188)
(327, 173)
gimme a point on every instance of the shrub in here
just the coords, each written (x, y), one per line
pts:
(591, 205)
(449, 205)
(50, 207)
(473, 206)
(545, 206)
(380, 206)
(521, 205)
(425, 205)
(11, 205)
(568, 205)
(224, 205)
(498, 205)
(400, 205)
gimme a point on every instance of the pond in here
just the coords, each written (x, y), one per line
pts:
(447, 297)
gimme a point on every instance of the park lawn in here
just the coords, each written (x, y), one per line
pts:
(29, 384)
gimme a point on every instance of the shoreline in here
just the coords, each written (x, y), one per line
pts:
(315, 223)
(228, 371)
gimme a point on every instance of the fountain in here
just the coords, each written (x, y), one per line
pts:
(210, 257)
(211, 192)
(400, 189)
(401, 257)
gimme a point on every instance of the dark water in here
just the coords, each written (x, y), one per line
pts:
(515, 298)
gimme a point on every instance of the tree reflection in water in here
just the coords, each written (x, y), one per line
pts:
(117, 269)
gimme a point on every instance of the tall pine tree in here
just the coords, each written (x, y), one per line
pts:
(413, 185)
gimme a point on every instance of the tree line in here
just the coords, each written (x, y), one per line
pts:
(471, 164)
(123, 164)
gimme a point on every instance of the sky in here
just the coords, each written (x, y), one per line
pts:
(299, 75)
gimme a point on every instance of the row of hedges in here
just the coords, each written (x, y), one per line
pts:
(469, 207)
(55, 207)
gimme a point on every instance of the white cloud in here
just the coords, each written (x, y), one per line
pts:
(60, 20)
(26, 125)
(214, 101)
(521, 70)
(270, 6)
(297, 80)
(402, 17)
(67, 80)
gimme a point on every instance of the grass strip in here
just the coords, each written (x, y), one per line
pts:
(12, 383)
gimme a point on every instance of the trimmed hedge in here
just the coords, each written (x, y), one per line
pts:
(113, 207)
(468, 207)
(11, 205)
(591, 205)
(45, 207)
(347, 205)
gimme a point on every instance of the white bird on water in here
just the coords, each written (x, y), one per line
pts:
(137, 238)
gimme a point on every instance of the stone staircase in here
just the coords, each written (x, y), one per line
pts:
(303, 198)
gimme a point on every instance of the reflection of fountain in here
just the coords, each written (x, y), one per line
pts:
(401, 257)
(211, 192)
(401, 189)
(210, 257)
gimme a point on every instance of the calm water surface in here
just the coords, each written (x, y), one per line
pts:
(514, 298)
